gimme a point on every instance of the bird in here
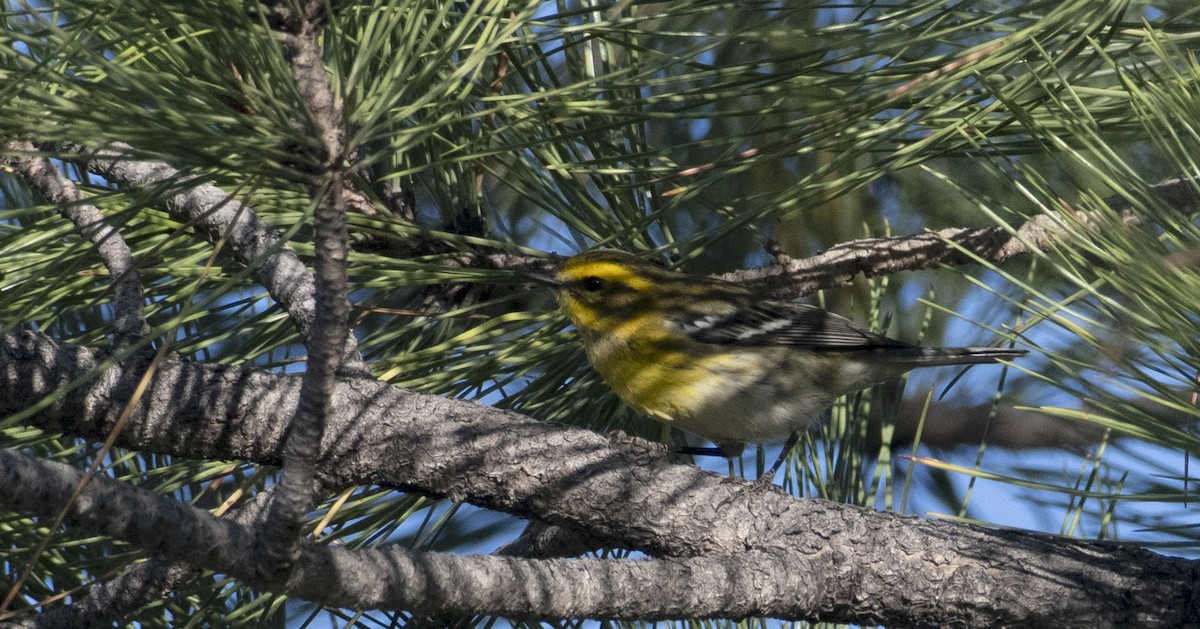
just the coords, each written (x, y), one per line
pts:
(721, 360)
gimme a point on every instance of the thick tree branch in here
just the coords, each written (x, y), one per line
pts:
(978, 578)
(806, 558)
(544, 541)
(129, 321)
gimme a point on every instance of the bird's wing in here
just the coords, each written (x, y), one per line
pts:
(786, 324)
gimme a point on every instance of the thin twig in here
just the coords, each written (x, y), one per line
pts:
(279, 539)
(252, 241)
(129, 320)
(870, 257)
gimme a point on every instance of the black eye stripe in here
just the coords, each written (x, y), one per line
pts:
(592, 284)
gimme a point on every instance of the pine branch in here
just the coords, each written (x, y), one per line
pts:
(872, 257)
(252, 242)
(279, 539)
(129, 319)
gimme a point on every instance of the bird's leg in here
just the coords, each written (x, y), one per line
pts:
(769, 475)
(699, 450)
(727, 449)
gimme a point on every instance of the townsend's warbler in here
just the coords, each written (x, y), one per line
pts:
(720, 361)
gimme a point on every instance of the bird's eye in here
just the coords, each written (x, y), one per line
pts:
(592, 284)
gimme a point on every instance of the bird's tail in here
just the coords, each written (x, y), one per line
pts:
(935, 356)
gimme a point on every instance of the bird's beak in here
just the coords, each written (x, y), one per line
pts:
(544, 272)
(545, 278)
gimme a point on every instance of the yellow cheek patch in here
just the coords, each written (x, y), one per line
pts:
(581, 315)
